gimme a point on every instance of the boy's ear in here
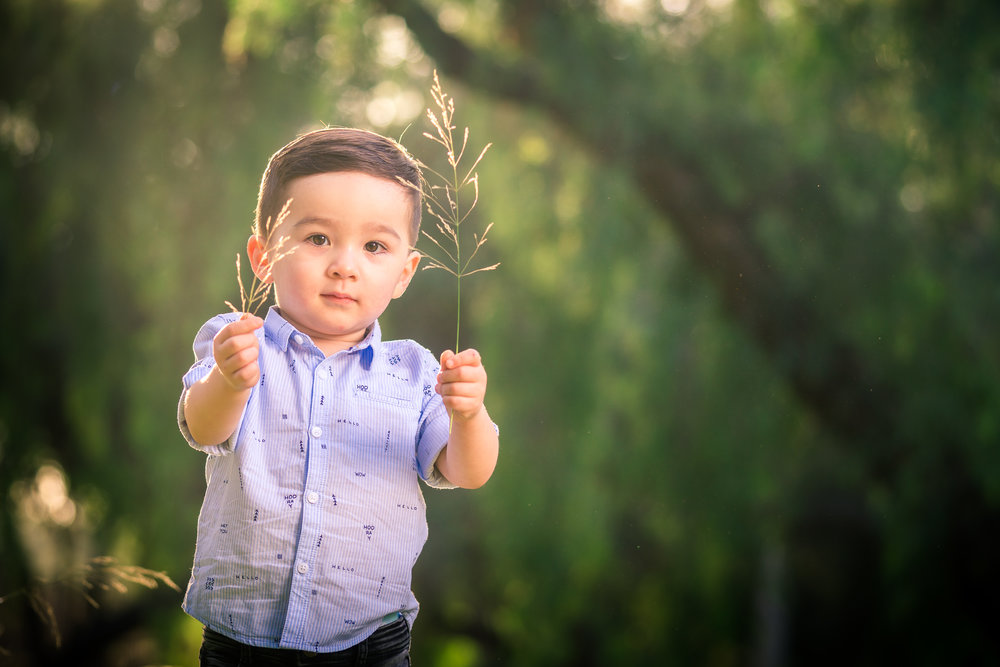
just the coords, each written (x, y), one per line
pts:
(406, 276)
(257, 252)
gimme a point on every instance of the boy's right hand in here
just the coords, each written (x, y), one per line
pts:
(236, 350)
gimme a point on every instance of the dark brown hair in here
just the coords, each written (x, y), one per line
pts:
(336, 149)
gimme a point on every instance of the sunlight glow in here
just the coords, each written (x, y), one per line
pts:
(53, 495)
(184, 153)
(395, 46)
(911, 196)
(18, 130)
(626, 11)
(452, 17)
(47, 519)
(675, 7)
(779, 10)
(533, 149)
(391, 104)
(165, 41)
(150, 6)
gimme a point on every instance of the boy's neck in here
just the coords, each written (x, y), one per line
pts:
(331, 346)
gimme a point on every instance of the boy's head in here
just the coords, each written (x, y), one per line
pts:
(335, 149)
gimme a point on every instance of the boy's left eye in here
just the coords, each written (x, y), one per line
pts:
(374, 246)
(317, 239)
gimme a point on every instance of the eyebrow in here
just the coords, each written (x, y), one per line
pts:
(375, 227)
(386, 229)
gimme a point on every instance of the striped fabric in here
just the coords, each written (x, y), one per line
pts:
(313, 515)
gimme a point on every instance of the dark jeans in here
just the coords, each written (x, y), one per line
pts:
(388, 647)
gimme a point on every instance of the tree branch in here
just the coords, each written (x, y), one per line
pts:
(827, 372)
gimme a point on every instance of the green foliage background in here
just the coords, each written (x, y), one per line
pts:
(742, 345)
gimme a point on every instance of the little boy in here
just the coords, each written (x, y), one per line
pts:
(317, 430)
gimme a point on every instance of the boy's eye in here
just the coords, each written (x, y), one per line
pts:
(374, 246)
(317, 239)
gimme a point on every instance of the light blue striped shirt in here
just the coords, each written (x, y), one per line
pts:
(313, 515)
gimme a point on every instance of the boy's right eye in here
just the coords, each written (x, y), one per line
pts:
(317, 239)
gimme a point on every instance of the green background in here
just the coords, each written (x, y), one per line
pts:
(742, 345)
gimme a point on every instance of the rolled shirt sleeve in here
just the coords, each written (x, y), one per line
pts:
(203, 365)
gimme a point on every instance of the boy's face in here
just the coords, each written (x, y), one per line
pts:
(348, 255)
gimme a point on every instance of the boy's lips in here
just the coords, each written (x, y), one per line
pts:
(338, 297)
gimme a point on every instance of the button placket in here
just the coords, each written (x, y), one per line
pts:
(310, 532)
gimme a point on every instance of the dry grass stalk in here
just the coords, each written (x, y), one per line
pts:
(256, 296)
(443, 199)
(102, 573)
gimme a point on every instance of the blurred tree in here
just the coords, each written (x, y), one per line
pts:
(812, 159)
(795, 153)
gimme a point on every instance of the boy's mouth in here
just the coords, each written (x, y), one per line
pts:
(338, 297)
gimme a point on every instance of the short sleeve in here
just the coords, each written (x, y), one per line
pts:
(432, 436)
(203, 365)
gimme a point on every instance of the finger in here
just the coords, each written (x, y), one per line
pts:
(475, 388)
(236, 353)
(463, 406)
(239, 371)
(470, 371)
(246, 377)
(233, 355)
(464, 367)
(245, 324)
(242, 356)
(468, 357)
(236, 333)
(241, 333)
(446, 359)
(462, 382)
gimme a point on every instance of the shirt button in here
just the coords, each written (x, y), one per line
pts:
(312, 497)
(303, 568)
(298, 339)
(316, 431)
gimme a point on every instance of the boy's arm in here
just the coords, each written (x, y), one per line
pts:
(213, 406)
(471, 454)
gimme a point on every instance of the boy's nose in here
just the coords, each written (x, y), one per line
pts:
(343, 264)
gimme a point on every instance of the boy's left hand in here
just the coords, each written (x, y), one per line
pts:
(462, 383)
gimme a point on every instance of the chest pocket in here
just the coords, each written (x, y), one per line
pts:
(364, 393)
(388, 425)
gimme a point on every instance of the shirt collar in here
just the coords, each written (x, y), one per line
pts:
(280, 331)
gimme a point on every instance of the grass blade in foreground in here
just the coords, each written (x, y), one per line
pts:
(445, 196)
